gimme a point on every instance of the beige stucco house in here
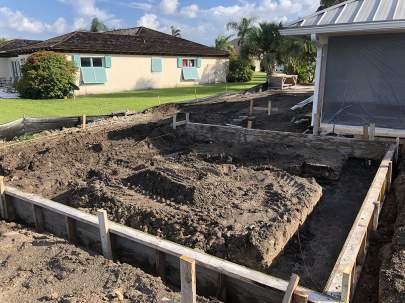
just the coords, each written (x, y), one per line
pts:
(127, 59)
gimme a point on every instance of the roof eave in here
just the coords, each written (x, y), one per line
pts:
(367, 27)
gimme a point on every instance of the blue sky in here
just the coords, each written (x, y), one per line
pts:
(199, 20)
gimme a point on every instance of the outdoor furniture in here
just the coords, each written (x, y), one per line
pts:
(282, 81)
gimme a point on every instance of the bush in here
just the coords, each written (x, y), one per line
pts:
(240, 70)
(47, 75)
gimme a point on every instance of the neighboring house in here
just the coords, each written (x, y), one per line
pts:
(256, 61)
(127, 59)
(360, 74)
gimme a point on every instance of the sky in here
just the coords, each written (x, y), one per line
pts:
(199, 20)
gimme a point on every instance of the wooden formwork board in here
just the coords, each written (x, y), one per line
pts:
(154, 255)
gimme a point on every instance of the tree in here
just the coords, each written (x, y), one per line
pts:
(328, 3)
(222, 42)
(97, 26)
(47, 75)
(176, 32)
(263, 42)
(242, 28)
(3, 40)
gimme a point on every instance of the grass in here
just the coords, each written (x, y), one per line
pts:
(12, 109)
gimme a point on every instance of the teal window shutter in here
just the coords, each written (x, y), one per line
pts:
(76, 60)
(156, 65)
(190, 73)
(107, 60)
(199, 62)
(93, 75)
(180, 62)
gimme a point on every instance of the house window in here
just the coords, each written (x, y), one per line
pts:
(91, 62)
(189, 63)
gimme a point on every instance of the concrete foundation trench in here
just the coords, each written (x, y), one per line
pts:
(277, 208)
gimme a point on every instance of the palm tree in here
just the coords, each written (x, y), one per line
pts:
(176, 32)
(223, 42)
(242, 28)
(97, 26)
(328, 3)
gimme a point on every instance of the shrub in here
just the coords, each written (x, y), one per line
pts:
(240, 70)
(47, 75)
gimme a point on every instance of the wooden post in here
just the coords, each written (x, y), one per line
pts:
(70, 230)
(249, 124)
(188, 280)
(389, 176)
(195, 92)
(187, 117)
(269, 108)
(38, 218)
(316, 125)
(103, 225)
(161, 264)
(372, 131)
(346, 285)
(3, 206)
(84, 121)
(174, 121)
(251, 104)
(295, 279)
(300, 297)
(376, 215)
(221, 288)
(397, 151)
(365, 132)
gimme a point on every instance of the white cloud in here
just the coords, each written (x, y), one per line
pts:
(149, 20)
(17, 21)
(190, 11)
(88, 8)
(168, 7)
(141, 6)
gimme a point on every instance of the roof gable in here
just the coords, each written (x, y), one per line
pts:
(352, 15)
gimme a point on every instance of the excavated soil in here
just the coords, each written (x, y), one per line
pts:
(43, 268)
(149, 178)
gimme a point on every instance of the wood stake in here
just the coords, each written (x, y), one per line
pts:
(174, 121)
(188, 280)
(221, 288)
(300, 297)
(346, 285)
(103, 225)
(251, 107)
(372, 131)
(376, 215)
(38, 218)
(269, 108)
(316, 125)
(3, 206)
(161, 264)
(71, 230)
(365, 132)
(295, 279)
(84, 121)
(187, 117)
(397, 150)
(250, 124)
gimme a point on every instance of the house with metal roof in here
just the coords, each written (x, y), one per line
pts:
(360, 74)
(126, 59)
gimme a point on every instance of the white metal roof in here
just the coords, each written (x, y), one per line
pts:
(352, 16)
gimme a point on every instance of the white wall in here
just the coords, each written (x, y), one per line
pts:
(134, 73)
(5, 68)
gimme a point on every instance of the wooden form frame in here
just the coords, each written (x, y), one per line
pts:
(342, 282)
(215, 277)
(358, 130)
(179, 123)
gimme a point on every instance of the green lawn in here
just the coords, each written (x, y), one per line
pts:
(12, 109)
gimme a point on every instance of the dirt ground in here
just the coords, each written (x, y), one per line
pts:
(237, 204)
(43, 268)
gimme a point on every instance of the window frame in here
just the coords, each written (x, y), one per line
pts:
(189, 63)
(91, 61)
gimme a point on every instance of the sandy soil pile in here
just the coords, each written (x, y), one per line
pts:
(42, 268)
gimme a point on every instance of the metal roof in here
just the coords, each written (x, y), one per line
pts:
(352, 15)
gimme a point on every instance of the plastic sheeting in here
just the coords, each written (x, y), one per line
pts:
(365, 81)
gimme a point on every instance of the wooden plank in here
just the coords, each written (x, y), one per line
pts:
(295, 279)
(249, 124)
(174, 123)
(70, 230)
(38, 218)
(251, 105)
(365, 132)
(355, 241)
(356, 148)
(221, 288)
(376, 215)
(104, 227)
(346, 285)
(188, 280)
(300, 297)
(269, 104)
(3, 206)
(372, 131)
(266, 285)
(358, 130)
(84, 121)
